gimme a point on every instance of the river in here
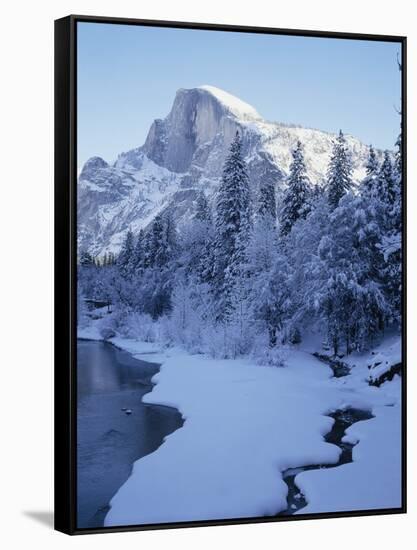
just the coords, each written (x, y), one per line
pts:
(343, 419)
(109, 439)
(114, 428)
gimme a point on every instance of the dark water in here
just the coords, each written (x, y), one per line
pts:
(339, 368)
(108, 439)
(342, 420)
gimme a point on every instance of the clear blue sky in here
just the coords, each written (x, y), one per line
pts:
(128, 75)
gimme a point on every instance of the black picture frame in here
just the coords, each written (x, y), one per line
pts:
(66, 254)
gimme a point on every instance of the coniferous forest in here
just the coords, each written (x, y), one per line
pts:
(254, 272)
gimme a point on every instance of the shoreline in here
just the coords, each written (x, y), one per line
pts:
(184, 382)
(109, 440)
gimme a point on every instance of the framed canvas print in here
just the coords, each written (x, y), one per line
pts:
(230, 288)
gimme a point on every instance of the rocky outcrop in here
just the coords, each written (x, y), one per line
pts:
(183, 155)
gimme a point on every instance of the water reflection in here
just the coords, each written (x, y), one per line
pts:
(108, 440)
(104, 368)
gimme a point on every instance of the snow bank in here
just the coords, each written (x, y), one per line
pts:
(372, 480)
(244, 424)
(372, 365)
(90, 332)
(389, 349)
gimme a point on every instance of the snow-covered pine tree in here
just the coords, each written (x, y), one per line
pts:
(197, 242)
(391, 244)
(368, 186)
(272, 297)
(138, 256)
(267, 201)
(391, 207)
(261, 255)
(295, 202)
(159, 249)
(339, 173)
(262, 246)
(147, 247)
(161, 242)
(399, 155)
(346, 291)
(170, 234)
(372, 164)
(124, 261)
(387, 189)
(301, 252)
(398, 169)
(202, 212)
(232, 227)
(155, 254)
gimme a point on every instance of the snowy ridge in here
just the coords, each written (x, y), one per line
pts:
(239, 108)
(121, 196)
(183, 155)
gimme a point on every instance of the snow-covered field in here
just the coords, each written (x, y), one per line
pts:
(245, 424)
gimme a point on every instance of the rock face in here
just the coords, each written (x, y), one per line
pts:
(183, 155)
(197, 121)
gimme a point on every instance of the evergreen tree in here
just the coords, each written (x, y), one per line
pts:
(272, 297)
(155, 254)
(228, 285)
(138, 256)
(161, 242)
(261, 256)
(301, 248)
(267, 201)
(372, 165)
(203, 229)
(196, 243)
(202, 209)
(339, 179)
(296, 196)
(387, 189)
(345, 289)
(124, 261)
(170, 237)
(147, 247)
(232, 226)
(399, 155)
(391, 243)
(368, 185)
(158, 249)
(158, 246)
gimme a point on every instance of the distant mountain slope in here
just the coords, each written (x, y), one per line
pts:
(184, 154)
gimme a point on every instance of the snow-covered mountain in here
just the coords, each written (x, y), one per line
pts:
(183, 155)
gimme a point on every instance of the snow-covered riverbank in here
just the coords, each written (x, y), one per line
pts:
(244, 425)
